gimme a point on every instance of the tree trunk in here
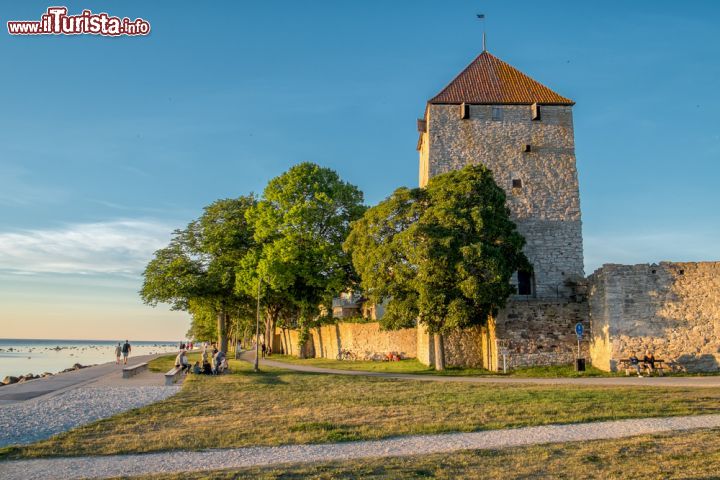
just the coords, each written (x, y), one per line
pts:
(439, 352)
(222, 331)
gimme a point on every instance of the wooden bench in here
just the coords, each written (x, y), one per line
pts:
(172, 375)
(660, 366)
(132, 370)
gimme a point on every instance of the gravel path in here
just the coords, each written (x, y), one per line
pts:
(710, 381)
(130, 465)
(35, 420)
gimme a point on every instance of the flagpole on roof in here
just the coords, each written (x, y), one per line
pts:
(481, 17)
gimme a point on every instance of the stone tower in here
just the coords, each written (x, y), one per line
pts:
(493, 114)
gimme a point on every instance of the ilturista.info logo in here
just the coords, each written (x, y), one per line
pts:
(56, 21)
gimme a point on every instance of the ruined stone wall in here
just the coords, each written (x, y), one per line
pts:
(536, 332)
(366, 340)
(290, 340)
(672, 309)
(540, 332)
(464, 348)
(547, 206)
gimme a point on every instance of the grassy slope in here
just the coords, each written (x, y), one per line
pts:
(679, 455)
(282, 407)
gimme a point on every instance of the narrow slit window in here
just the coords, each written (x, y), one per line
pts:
(527, 147)
(464, 111)
(497, 114)
(517, 183)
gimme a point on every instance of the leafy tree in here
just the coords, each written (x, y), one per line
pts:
(300, 224)
(196, 271)
(442, 255)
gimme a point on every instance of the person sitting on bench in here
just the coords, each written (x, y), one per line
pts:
(634, 364)
(181, 361)
(649, 362)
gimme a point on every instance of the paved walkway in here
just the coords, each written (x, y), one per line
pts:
(667, 381)
(61, 382)
(189, 461)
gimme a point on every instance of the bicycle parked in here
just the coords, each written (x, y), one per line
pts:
(346, 355)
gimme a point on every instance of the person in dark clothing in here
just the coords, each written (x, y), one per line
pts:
(649, 362)
(263, 349)
(126, 348)
(635, 364)
(207, 368)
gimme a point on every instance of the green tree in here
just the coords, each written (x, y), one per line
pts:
(196, 272)
(300, 224)
(442, 255)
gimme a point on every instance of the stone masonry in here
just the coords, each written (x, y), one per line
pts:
(671, 309)
(546, 205)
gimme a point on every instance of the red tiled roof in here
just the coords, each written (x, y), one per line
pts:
(489, 80)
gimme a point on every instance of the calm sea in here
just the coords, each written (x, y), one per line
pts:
(23, 356)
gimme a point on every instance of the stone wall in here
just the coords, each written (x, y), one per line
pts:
(289, 341)
(672, 309)
(546, 207)
(366, 340)
(536, 332)
(540, 332)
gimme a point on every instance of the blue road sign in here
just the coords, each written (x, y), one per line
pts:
(579, 330)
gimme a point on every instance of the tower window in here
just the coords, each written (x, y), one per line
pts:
(534, 111)
(524, 282)
(497, 114)
(516, 183)
(527, 147)
(464, 110)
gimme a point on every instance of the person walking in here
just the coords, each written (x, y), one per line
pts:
(263, 349)
(126, 348)
(118, 352)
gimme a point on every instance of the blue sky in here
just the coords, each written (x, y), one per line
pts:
(107, 144)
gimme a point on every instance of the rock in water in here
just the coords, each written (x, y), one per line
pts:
(9, 379)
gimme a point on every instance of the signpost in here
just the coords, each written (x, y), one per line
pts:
(579, 363)
(502, 346)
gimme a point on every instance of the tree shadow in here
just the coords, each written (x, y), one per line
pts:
(266, 378)
(697, 363)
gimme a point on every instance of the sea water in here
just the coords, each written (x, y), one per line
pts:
(23, 356)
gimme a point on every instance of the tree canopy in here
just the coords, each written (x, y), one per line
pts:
(300, 224)
(197, 269)
(442, 255)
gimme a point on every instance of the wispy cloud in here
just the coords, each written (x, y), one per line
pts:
(116, 247)
(17, 190)
(634, 248)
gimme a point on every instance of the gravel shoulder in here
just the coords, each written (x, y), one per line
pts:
(30, 421)
(170, 462)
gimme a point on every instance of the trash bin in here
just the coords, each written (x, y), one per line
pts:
(579, 364)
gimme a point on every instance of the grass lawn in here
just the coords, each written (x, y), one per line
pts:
(413, 366)
(276, 407)
(673, 456)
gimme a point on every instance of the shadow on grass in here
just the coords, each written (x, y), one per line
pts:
(264, 377)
